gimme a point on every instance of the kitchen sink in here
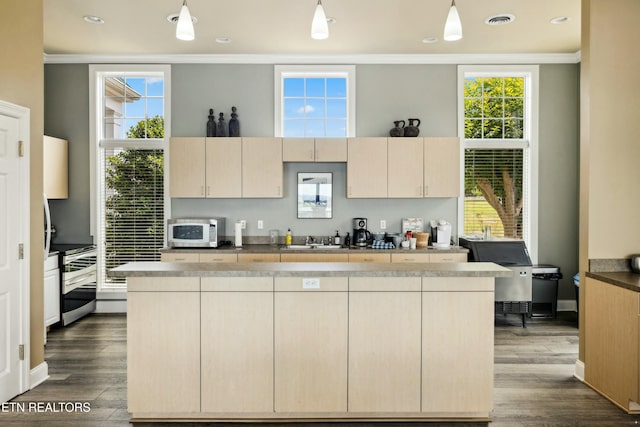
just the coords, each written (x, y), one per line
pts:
(314, 246)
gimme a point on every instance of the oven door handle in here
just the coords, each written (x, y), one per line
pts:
(85, 278)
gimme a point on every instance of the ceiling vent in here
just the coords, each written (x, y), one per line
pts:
(501, 19)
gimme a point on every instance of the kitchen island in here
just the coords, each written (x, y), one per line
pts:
(310, 341)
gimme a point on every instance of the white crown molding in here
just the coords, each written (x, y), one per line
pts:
(496, 58)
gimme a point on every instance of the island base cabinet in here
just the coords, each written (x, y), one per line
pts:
(384, 346)
(163, 346)
(237, 350)
(457, 345)
(310, 346)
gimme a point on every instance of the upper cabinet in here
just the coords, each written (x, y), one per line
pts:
(442, 167)
(224, 167)
(367, 167)
(187, 167)
(262, 169)
(314, 150)
(405, 167)
(55, 167)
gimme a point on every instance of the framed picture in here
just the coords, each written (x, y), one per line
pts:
(315, 195)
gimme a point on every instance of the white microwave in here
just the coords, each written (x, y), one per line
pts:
(195, 233)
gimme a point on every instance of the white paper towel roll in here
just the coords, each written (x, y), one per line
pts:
(238, 234)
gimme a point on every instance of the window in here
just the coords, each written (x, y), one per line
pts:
(498, 119)
(315, 101)
(130, 131)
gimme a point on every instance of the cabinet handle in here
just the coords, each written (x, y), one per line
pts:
(202, 190)
(279, 191)
(349, 190)
(420, 190)
(426, 190)
(208, 190)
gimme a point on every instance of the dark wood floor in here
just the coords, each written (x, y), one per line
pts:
(534, 383)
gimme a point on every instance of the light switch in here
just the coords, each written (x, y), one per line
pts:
(383, 224)
(308, 283)
(260, 224)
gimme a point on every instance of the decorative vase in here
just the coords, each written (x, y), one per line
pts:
(410, 129)
(222, 126)
(234, 124)
(397, 130)
(211, 124)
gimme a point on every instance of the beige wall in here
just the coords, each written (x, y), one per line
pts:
(22, 83)
(610, 125)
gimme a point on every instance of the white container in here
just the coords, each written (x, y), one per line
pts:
(444, 235)
(238, 234)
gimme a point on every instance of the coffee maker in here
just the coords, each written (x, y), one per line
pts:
(361, 236)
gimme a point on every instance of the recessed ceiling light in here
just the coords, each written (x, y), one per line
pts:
(223, 40)
(560, 20)
(501, 19)
(173, 18)
(93, 19)
(429, 40)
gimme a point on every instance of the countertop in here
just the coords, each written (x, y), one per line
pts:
(282, 249)
(301, 269)
(624, 279)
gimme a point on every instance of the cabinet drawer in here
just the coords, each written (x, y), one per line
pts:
(369, 257)
(314, 257)
(178, 257)
(448, 258)
(258, 257)
(410, 257)
(218, 257)
(236, 284)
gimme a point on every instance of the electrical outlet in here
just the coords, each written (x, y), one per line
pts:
(383, 224)
(260, 224)
(243, 223)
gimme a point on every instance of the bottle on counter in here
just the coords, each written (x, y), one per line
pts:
(288, 238)
(336, 239)
(347, 240)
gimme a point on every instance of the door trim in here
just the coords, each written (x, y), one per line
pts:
(23, 116)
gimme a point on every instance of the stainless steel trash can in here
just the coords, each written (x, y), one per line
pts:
(544, 299)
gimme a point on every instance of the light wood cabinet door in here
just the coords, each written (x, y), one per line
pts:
(442, 167)
(367, 167)
(410, 257)
(298, 150)
(405, 165)
(369, 257)
(611, 341)
(310, 332)
(447, 257)
(218, 257)
(452, 380)
(224, 167)
(249, 257)
(262, 167)
(340, 257)
(187, 167)
(237, 350)
(179, 257)
(55, 167)
(331, 150)
(384, 345)
(163, 346)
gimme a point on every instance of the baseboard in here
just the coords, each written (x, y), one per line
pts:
(567, 305)
(38, 375)
(579, 371)
(111, 306)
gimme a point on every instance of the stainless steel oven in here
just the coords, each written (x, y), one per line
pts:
(77, 281)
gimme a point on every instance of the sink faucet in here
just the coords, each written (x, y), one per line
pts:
(308, 240)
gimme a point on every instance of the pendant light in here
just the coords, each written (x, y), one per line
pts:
(319, 26)
(453, 26)
(184, 29)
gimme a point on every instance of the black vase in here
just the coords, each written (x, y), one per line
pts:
(222, 126)
(234, 124)
(211, 124)
(397, 130)
(410, 129)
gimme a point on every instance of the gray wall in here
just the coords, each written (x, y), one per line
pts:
(384, 93)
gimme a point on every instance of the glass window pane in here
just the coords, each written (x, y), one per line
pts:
(336, 128)
(314, 128)
(472, 87)
(293, 108)
(135, 108)
(514, 87)
(473, 107)
(513, 128)
(314, 108)
(336, 108)
(514, 107)
(337, 88)
(493, 108)
(134, 128)
(293, 86)
(492, 128)
(315, 87)
(135, 87)
(473, 128)
(155, 86)
(155, 107)
(493, 87)
(293, 128)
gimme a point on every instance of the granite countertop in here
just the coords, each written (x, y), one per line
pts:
(624, 279)
(300, 269)
(259, 248)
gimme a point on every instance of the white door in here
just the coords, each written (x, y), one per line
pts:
(10, 269)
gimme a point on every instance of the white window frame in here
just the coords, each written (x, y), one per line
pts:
(96, 121)
(529, 142)
(309, 71)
